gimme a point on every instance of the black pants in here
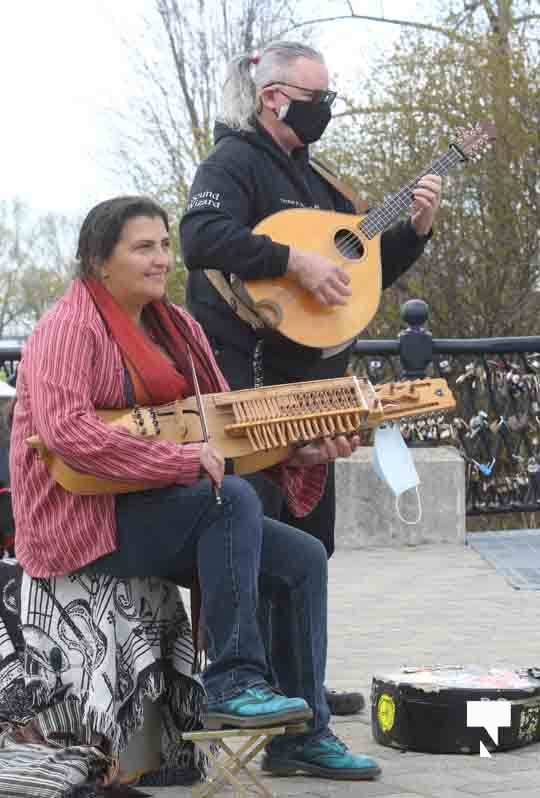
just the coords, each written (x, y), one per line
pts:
(238, 368)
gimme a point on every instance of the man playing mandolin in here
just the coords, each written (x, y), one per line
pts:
(114, 341)
(274, 106)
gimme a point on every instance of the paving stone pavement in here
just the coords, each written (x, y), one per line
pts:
(433, 604)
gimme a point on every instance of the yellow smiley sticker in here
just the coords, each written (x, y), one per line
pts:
(386, 712)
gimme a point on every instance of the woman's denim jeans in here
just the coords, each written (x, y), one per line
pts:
(169, 532)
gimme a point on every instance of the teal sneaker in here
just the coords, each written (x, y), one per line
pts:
(327, 758)
(257, 707)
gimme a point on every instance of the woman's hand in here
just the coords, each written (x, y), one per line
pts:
(324, 451)
(212, 463)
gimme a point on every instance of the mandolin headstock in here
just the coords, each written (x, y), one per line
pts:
(473, 141)
(411, 398)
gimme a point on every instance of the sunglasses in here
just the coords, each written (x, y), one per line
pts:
(317, 95)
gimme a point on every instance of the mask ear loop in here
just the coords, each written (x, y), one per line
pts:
(416, 520)
(282, 113)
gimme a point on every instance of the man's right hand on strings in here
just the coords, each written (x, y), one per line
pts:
(323, 278)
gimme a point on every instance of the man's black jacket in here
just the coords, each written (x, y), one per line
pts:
(246, 178)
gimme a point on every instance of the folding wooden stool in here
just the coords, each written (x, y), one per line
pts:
(227, 764)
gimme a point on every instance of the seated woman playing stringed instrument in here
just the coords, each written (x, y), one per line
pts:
(114, 341)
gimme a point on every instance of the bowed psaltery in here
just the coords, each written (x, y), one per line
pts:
(260, 427)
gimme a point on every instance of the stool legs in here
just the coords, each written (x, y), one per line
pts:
(236, 762)
(227, 764)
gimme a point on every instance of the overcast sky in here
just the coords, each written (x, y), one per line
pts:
(63, 68)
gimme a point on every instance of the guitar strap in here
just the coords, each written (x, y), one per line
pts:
(241, 307)
(233, 292)
(361, 206)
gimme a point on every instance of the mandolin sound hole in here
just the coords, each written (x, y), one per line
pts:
(348, 244)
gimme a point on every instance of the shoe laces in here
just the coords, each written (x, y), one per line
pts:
(272, 690)
(267, 690)
(333, 739)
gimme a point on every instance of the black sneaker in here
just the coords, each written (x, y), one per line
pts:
(345, 703)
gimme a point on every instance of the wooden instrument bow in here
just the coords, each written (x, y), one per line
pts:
(202, 414)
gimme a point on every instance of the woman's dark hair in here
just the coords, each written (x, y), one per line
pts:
(102, 228)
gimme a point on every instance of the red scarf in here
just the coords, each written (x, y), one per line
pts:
(155, 379)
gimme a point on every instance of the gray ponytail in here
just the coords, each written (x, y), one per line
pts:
(245, 75)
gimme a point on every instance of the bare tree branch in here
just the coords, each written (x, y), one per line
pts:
(527, 18)
(404, 23)
(35, 263)
(195, 39)
(383, 109)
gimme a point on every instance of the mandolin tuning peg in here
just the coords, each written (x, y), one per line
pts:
(483, 135)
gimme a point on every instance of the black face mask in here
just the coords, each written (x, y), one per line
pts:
(308, 120)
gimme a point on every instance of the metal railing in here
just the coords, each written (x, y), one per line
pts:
(9, 360)
(496, 427)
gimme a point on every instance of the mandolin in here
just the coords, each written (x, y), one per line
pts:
(259, 427)
(353, 242)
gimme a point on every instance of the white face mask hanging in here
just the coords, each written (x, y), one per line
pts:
(393, 463)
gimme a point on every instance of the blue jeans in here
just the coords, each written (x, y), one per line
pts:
(169, 532)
